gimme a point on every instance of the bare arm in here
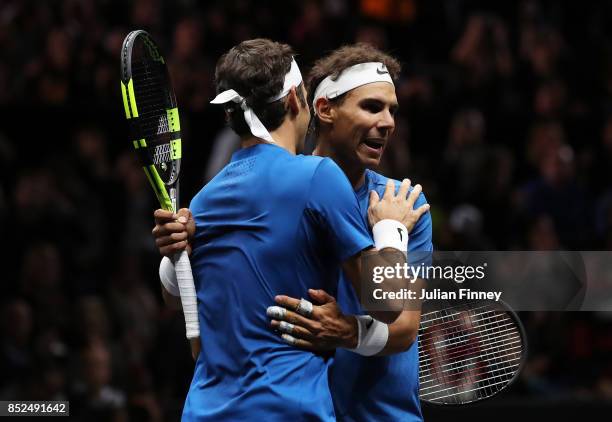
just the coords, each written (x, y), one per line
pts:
(353, 269)
(400, 208)
(403, 332)
(328, 328)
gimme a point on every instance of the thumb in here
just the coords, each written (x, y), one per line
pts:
(374, 198)
(321, 296)
(184, 215)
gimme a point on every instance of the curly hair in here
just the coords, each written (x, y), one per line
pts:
(256, 70)
(344, 57)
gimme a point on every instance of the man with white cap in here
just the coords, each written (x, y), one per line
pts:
(353, 97)
(271, 222)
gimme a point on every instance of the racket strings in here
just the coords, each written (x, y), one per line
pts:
(151, 86)
(467, 353)
(463, 336)
(512, 338)
(154, 98)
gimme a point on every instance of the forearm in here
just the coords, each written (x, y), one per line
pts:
(403, 331)
(402, 334)
(391, 242)
(380, 339)
(360, 271)
(169, 284)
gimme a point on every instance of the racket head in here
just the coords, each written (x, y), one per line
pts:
(468, 352)
(151, 110)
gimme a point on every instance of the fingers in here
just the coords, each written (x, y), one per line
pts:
(374, 198)
(389, 189)
(173, 231)
(294, 330)
(297, 342)
(169, 239)
(167, 229)
(173, 248)
(287, 302)
(321, 296)
(416, 191)
(184, 212)
(422, 210)
(163, 216)
(301, 306)
(404, 188)
(184, 215)
(282, 314)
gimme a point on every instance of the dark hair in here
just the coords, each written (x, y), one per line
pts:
(344, 57)
(256, 70)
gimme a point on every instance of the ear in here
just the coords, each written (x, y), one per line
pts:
(293, 103)
(325, 110)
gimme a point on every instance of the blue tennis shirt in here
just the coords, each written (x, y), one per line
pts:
(380, 388)
(269, 223)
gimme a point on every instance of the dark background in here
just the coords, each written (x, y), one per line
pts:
(505, 119)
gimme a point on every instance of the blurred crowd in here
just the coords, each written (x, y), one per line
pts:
(505, 119)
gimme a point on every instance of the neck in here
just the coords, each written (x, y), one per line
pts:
(284, 137)
(355, 174)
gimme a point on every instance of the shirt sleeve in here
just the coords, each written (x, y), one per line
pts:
(332, 198)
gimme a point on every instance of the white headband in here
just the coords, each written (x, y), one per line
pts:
(351, 78)
(292, 78)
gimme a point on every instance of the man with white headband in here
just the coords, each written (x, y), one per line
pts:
(271, 222)
(354, 101)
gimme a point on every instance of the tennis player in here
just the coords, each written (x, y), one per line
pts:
(272, 222)
(354, 101)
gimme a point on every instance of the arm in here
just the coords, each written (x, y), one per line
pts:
(344, 331)
(328, 328)
(391, 218)
(333, 200)
(170, 293)
(172, 233)
(169, 284)
(402, 333)
(353, 269)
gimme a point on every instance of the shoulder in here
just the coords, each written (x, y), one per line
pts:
(378, 182)
(301, 167)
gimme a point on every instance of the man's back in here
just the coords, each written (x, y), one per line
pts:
(268, 224)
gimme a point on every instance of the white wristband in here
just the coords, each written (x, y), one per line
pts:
(390, 234)
(372, 335)
(167, 276)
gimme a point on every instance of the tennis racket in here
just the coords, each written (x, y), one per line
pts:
(155, 132)
(468, 352)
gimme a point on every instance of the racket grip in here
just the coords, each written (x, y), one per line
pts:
(189, 299)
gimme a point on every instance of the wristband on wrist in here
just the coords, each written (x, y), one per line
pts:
(390, 234)
(372, 335)
(167, 276)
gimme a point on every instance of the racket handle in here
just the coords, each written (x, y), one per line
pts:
(189, 299)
